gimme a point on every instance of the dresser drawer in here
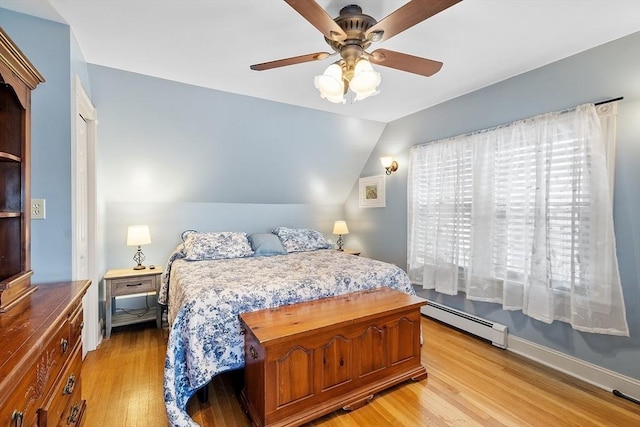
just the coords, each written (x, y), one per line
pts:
(133, 286)
(31, 390)
(76, 323)
(40, 347)
(65, 406)
(21, 406)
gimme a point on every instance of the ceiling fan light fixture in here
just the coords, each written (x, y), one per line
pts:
(350, 35)
(365, 80)
(330, 83)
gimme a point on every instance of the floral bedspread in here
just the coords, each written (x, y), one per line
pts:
(205, 298)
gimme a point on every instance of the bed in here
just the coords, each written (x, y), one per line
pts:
(206, 291)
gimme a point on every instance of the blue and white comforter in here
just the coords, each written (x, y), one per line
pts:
(205, 298)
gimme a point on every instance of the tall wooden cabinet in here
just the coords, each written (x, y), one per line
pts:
(18, 78)
(40, 330)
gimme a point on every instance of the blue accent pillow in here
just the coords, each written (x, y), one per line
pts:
(266, 244)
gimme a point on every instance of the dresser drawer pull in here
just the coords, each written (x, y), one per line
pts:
(253, 352)
(133, 285)
(64, 345)
(18, 418)
(71, 382)
(73, 416)
(81, 325)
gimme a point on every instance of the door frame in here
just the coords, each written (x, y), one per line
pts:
(83, 109)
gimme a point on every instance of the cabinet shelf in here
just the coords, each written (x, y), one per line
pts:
(122, 318)
(10, 214)
(7, 157)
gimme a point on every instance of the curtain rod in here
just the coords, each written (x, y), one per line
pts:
(620, 98)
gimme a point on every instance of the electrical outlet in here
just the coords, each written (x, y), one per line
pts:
(38, 209)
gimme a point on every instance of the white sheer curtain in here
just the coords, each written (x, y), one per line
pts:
(521, 215)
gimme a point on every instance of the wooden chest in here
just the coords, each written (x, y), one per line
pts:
(305, 360)
(41, 358)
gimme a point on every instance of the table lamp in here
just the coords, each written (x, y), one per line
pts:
(340, 228)
(138, 235)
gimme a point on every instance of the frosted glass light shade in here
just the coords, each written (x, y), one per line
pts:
(335, 99)
(386, 161)
(330, 84)
(340, 227)
(138, 235)
(365, 80)
(389, 164)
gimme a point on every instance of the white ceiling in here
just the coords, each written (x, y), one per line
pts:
(211, 43)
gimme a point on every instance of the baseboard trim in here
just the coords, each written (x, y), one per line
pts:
(593, 374)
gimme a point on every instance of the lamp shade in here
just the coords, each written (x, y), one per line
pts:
(138, 235)
(340, 227)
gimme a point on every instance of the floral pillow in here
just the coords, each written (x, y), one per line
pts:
(301, 239)
(228, 244)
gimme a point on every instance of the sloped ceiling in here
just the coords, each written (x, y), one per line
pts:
(212, 43)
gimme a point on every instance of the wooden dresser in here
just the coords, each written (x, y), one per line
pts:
(305, 360)
(41, 358)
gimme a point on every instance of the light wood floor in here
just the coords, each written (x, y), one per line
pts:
(470, 383)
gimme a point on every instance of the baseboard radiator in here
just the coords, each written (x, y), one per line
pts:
(491, 331)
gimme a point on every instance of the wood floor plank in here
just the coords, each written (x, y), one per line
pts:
(470, 383)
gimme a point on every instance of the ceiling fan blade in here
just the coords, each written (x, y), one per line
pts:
(318, 17)
(290, 61)
(402, 61)
(407, 16)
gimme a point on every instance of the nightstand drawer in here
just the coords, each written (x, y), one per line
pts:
(133, 285)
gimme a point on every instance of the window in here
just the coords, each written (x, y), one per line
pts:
(520, 215)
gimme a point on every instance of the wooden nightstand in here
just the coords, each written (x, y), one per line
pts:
(351, 252)
(127, 281)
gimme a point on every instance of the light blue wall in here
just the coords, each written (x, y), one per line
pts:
(605, 72)
(167, 221)
(47, 45)
(166, 141)
(177, 157)
(79, 66)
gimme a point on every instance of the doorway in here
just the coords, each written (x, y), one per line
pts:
(84, 212)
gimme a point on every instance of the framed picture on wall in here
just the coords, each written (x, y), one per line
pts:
(372, 192)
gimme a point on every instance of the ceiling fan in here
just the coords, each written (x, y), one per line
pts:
(349, 35)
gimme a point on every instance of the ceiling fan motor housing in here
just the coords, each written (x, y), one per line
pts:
(355, 24)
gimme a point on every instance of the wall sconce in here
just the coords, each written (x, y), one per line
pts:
(389, 164)
(340, 228)
(138, 235)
